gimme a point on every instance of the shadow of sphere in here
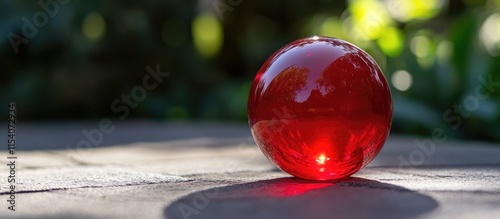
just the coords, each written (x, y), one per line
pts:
(292, 198)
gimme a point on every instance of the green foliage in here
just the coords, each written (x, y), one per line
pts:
(90, 52)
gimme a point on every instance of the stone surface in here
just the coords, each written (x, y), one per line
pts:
(220, 173)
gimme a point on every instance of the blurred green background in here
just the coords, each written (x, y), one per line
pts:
(85, 54)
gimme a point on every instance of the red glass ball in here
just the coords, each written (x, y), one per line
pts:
(320, 108)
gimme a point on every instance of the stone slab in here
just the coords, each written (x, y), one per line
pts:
(218, 172)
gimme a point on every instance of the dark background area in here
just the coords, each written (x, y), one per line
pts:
(85, 54)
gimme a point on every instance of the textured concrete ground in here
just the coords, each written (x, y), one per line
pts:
(200, 170)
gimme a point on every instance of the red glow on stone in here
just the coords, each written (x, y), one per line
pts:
(277, 188)
(320, 108)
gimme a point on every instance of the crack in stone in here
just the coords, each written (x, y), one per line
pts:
(89, 187)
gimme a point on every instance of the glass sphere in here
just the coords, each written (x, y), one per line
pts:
(320, 108)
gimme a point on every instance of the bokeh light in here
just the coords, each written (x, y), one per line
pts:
(391, 42)
(408, 10)
(490, 34)
(93, 26)
(423, 47)
(207, 34)
(420, 46)
(444, 51)
(369, 18)
(401, 80)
